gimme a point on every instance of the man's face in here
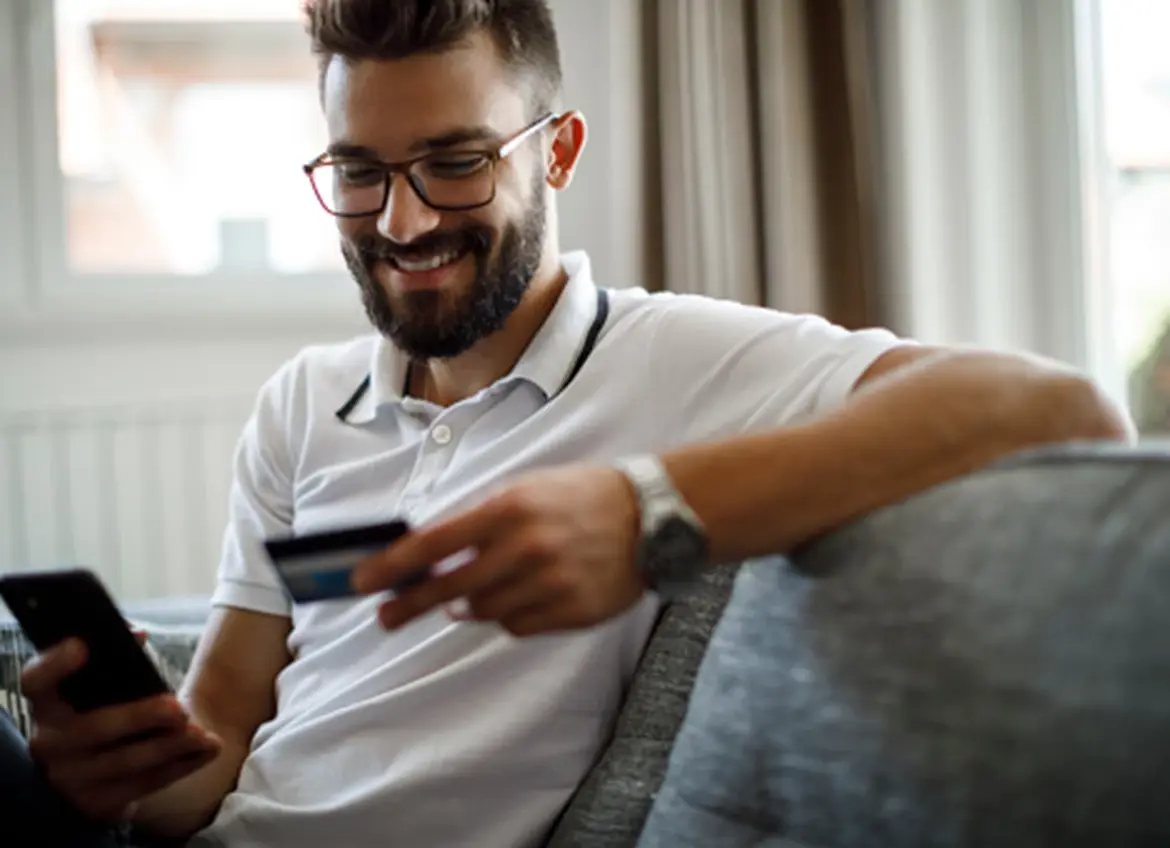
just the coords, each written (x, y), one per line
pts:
(436, 282)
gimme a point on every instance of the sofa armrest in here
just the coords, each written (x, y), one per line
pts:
(984, 664)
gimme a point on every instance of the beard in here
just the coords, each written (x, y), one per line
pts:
(444, 324)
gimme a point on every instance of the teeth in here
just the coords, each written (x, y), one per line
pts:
(428, 264)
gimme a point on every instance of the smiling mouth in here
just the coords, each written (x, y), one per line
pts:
(427, 263)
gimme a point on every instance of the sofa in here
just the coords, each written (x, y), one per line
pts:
(984, 664)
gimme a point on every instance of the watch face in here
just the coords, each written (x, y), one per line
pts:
(676, 553)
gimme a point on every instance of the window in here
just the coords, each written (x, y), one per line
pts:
(181, 128)
(160, 145)
(1135, 85)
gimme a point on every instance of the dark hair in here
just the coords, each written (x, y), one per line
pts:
(522, 30)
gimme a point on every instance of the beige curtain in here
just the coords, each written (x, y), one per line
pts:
(762, 155)
(991, 158)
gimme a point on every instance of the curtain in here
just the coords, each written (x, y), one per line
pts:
(765, 153)
(988, 161)
(922, 165)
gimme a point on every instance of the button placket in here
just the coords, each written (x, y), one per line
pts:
(434, 453)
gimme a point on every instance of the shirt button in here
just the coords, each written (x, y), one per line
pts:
(441, 434)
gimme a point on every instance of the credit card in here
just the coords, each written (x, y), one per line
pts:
(317, 566)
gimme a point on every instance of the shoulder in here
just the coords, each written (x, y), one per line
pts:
(751, 362)
(673, 308)
(689, 322)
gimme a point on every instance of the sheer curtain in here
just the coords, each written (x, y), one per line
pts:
(988, 158)
(920, 164)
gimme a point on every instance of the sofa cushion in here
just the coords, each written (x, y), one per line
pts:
(987, 664)
(610, 808)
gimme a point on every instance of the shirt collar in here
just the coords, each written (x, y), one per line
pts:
(553, 351)
(546, 362)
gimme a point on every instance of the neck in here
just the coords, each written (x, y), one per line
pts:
(448, 381)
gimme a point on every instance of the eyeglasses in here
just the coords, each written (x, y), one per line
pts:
(450, 181)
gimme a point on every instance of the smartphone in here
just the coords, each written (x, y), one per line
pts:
(317, 566)
(55, 605)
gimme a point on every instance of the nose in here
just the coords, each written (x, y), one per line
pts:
(406, 217)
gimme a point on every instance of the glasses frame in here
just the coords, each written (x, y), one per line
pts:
(494, 156)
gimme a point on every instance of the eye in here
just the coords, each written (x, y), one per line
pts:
(455, 166)
(357, 173)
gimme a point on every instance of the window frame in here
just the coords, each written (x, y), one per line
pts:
(50, 291)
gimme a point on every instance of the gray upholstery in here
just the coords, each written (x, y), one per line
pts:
(985, 665)
(611, 806)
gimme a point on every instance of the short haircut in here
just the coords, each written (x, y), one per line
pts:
(522, 31)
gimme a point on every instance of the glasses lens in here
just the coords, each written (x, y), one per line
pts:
(350, 187)
(455, 180)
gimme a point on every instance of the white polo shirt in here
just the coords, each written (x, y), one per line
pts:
(456, 734)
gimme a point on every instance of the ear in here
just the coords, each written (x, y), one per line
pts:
(565, 152)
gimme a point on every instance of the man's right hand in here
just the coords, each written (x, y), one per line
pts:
(106, 760)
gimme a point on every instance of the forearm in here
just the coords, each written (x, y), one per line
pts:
(190, 804)
(931, 422)
(229, 690)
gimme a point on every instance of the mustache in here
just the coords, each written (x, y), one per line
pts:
(373, 249)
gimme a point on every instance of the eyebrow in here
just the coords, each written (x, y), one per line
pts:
(350, 150)
(450, 139)
(454, 138)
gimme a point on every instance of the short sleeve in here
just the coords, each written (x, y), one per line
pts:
(728, 368)
(260, 506)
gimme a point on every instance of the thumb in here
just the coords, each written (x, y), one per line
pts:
(139, 633)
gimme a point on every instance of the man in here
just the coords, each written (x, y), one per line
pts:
(557, 447)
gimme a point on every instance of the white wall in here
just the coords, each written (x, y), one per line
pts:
(604, 210)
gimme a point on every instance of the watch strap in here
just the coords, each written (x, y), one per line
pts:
(657, 496)
(663, 511)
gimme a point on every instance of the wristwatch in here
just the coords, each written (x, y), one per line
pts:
(673, 545)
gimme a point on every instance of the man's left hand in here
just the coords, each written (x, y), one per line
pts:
(555, 550)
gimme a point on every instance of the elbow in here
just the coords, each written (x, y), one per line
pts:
(1073, 408)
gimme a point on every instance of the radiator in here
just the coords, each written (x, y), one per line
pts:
(137, 494)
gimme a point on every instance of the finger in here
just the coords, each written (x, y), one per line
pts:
(544, 618)
(131, 762)
(163, 776)
(110, 726)
(115, 802)
(426, 546)
(502, 563)
(129, 812)
(118, 802)
(44, 673)
(513, 597)
(105, 805)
